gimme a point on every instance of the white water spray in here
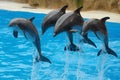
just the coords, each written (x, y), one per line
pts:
(66, 66)
(65, 74)
(78, 73)
(101, 66)
(35, 71)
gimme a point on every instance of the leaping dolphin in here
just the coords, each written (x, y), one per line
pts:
(66, 23)
(98, 27)
(30, 33)
(51, 18)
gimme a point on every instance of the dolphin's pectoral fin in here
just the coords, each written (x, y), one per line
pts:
(32, 18)
(15, 34)
(73, 30)
(71, 47)
(87, 40)
(99, 52)
(96, 35)
(42, 58)
(110, 51)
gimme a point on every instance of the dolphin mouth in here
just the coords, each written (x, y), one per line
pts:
(10, 25)
(82, 33)
(54, 34)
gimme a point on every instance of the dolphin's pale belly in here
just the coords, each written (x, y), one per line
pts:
(29, 36)
(100, 36)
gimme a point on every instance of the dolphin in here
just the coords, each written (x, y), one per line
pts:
(30, 32)
(98, 27)
(52, 17)
(66, 23)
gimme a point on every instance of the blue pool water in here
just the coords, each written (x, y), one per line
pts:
(16, 55)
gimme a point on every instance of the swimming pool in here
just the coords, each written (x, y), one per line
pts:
(16, 61)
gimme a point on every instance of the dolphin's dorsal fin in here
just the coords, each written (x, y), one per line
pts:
(78, 10)
(32, 18)
(64, 8)
(15, 34)
(104, 19)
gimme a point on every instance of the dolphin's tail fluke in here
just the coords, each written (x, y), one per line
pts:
(109, 51)
(87, 40)
(43, 58)
(71, 47)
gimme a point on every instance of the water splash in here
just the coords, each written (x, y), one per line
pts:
(101, 66)
(78, 68)
(65, 74)
(39, 68)
(80, 61)
(35, 71)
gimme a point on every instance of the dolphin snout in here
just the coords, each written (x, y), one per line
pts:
(82, 33)
(54, 34)
(10, 25)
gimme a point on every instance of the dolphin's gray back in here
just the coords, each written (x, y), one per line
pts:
(50, 15)
(88, 24)
(95, 24)
(16, 21)
(62, 19)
